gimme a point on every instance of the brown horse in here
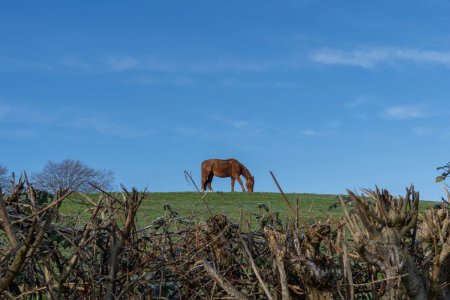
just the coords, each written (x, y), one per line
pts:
(226, 168)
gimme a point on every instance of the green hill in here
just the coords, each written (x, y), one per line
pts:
(312, 207)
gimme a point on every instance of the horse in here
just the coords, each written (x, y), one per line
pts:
(226, 168)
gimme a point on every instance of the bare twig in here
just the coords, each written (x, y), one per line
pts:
(188, 175)
(282, 193)
(225, 284)
(255, 269)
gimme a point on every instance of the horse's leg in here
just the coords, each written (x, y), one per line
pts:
(210, 178)
(240, 182)
(204, 183)
(232, 184)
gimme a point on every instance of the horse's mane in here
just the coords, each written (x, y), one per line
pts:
(246, 172)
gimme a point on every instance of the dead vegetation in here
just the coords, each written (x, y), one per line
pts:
(376, 251)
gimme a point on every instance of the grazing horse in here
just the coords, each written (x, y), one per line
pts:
(226, 168)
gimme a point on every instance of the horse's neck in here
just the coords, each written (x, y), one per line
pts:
(246, 172)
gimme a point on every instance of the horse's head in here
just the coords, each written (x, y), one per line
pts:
(250, 183)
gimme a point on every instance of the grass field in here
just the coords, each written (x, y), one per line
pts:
(236, 205)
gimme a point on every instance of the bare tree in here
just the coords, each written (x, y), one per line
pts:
(72, 175)
(4, 181)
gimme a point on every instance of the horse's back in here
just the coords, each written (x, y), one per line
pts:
(219, 167)
(207, 162)
(217, 161)
(233, 160)
(207, 165)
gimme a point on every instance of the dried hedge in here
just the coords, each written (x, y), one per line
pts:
(378, 250)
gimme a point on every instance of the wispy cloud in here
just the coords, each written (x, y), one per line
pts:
(368, 107)
(179, 81)
(25, 114)
(364, 107)
(187, 131)
(107, 127)
(438, 131)
(329, 127)
(404, 112)
(76, 62)
(127, 63)
(331, 124)
(310, 132)
(24, 117)
(370, 58)
(424, 131)
(122, 63)
(235, 124)
(359, 101)
(364, 57)
(18, 133)
(17, 64)
(154, 63)
(234, 82)
(4, 111)
(242, 128)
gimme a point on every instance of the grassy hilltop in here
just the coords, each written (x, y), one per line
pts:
(236, 205)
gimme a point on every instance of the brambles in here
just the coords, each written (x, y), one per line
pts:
(376, 251)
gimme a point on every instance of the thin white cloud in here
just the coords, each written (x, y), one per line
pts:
(364, 107)
(179, 81)
(365, 59)
(363, 116)
(329, 128)
(40, 121)
(372, 57)
(127, 63)
(76, 62)
(425, 56)
(369, 107)
(424, 131)
(4, 111)
(227, 64)
(236, 124)
(332, 124)
(310, 132)
(18, 133)
(107, 127)
(187, 131)
(359, 101)
(123, 63)
(404, 112)
(233, 82)
(15, 113)
(17, 64)
(240, 128)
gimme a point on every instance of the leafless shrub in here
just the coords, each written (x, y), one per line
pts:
(384, 229)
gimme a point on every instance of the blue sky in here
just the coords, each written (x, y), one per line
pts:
(329, 95)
